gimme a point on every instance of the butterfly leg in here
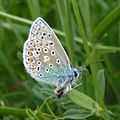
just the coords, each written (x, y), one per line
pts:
(68, 88)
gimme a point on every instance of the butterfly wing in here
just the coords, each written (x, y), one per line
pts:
(43, 55)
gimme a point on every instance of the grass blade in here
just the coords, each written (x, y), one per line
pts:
(106, 23)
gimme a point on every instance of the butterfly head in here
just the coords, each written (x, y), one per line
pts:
(69, 82)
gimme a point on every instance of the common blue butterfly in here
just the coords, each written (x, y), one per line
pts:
(46, 61)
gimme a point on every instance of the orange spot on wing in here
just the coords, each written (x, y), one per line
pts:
(30, 48)
(30, 54)
(30, 60)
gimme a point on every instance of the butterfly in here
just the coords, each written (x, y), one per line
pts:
(46, 61)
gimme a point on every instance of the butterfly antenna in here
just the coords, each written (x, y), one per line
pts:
(78, 85)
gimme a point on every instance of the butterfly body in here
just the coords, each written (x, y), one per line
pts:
(45, 59)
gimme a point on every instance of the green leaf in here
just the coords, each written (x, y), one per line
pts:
(101, 79)
(84, 101)
(35, 115)
(76, 114)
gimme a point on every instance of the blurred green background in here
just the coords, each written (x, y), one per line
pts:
(89, 31)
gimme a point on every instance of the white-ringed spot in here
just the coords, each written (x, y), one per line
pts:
(31, 43)
(49, 35)
(41, 75)
(39, 49)
(46, 70)
(51, 43)
(37, 53)
(52, 52)
(37, 41)
(58, 61)
(44, 34)
(38, 62)
(42, 38)
(51, 65)
(38, 69)
(45, 50)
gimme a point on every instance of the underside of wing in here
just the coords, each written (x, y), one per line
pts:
(43, 55)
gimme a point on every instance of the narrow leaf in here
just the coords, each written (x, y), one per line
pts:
(107, 22)
(101, 79)
(76, 114)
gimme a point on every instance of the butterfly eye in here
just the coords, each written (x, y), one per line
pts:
(76, 73)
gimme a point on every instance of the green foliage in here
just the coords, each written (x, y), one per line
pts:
(89, 30)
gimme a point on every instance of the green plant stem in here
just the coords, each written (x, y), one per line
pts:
(97, 89)
(15, 18)
(64, 12)
(12, 111)
(51, 112)
(77, 39)
(107, 48)
(26, 21)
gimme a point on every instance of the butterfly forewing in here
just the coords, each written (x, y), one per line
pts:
(43, 55)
